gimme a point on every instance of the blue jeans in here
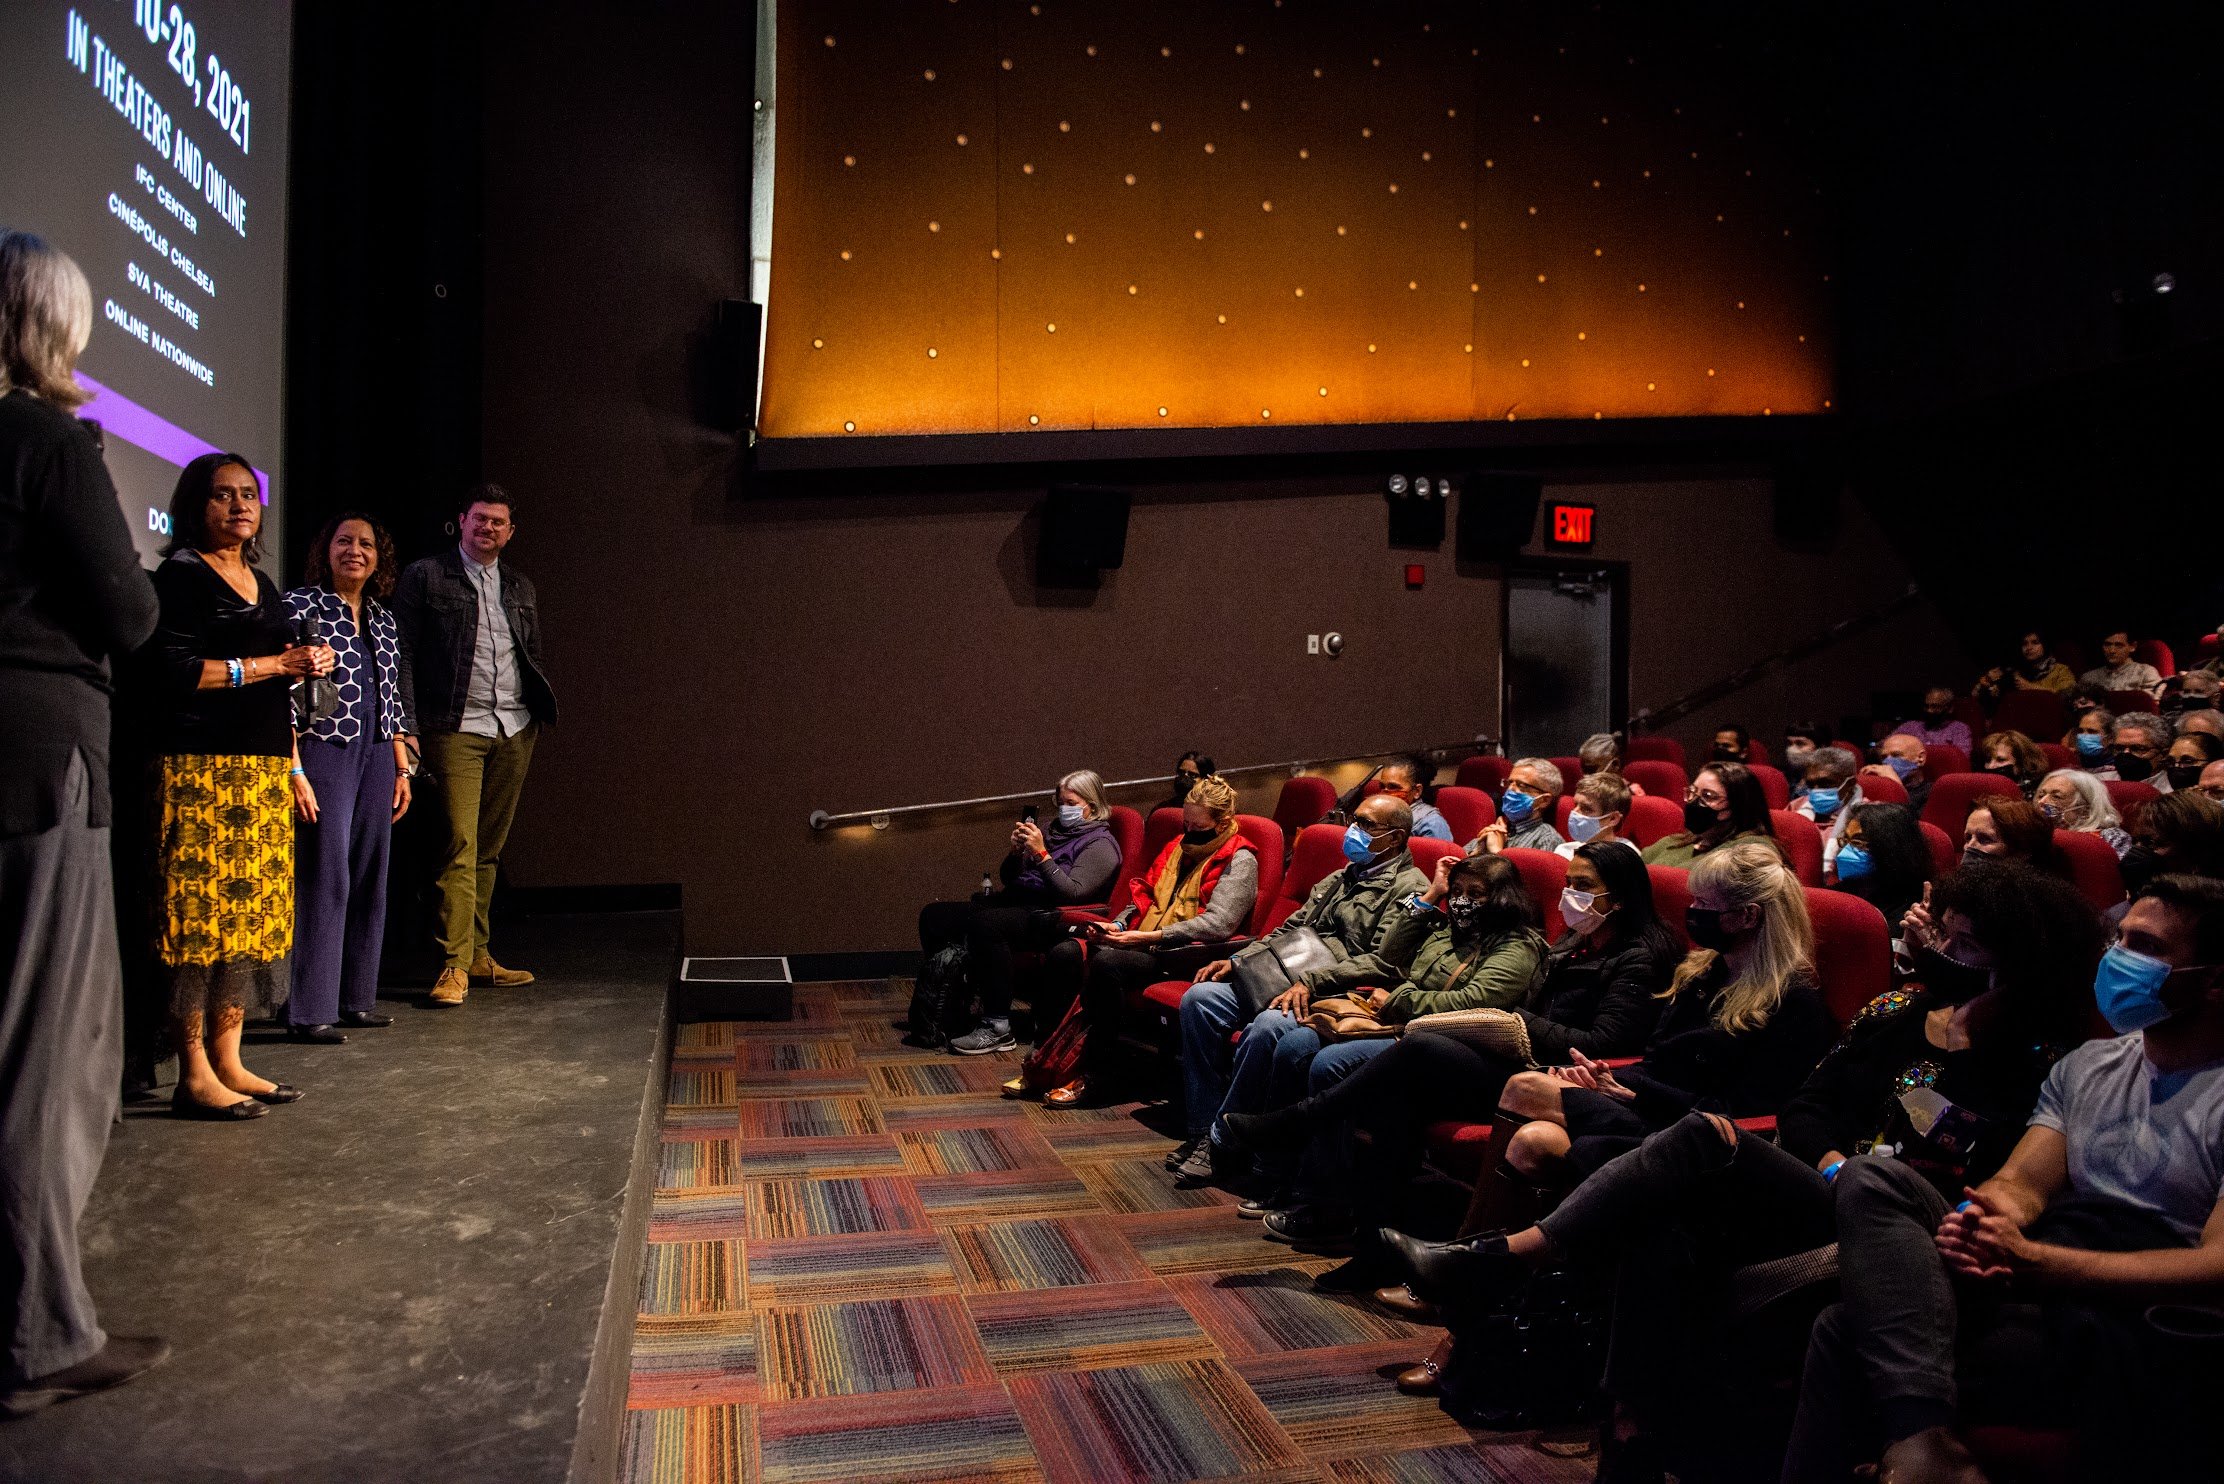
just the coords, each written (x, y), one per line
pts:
(1210, 1013)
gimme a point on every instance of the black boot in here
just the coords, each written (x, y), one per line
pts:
(1279, 1129)
(1471, 1268)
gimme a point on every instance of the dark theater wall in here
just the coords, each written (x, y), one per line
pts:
(727, 665)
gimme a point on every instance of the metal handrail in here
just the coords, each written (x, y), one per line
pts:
(880, 819)
(1654, 718)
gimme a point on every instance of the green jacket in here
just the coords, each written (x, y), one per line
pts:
(1682, 848)
(1496, 974)
(1353, 917)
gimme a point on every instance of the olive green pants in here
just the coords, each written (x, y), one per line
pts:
(480, 779)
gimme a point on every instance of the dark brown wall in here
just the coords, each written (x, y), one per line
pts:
(728, 666)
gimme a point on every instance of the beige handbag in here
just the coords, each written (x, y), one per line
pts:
(1496, 1032)
(1343, 1018)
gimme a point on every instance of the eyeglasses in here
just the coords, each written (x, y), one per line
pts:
(1709, 798)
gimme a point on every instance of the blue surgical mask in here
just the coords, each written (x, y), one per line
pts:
(1517, 806)
(1905, 767)
(2091, 745)
(2128, 989)
(1359, 846)
(1070, 815)
(1854, 862)
(1824, 801)
(1582, 827)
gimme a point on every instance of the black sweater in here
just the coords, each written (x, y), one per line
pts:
(1852, 1100)
(71, 594)
(1693, 1063)
(1601, 1003)
(204, 619)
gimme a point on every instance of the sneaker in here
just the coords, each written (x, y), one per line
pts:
(1261, 1206)
(1198, 1167)
(122, 1359)
(990, 1035)
(1309, 1226)
(1182, 1151)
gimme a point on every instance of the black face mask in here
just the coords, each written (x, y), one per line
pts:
(2184, 775)
(2139, 866)
(1698, 818)
(1938, 716)
(1183, 783)
(2132, 768)
(1703, 926)
(1728, 754)
(1466, 914)
(1949, 978)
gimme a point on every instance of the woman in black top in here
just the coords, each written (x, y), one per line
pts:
(229, 785)
(2006, 956)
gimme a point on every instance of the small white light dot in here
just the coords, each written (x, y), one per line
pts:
(1129, 179)
(1316, 72)
(1594, 185)
(1155, 126)
(1710, 370)
(1161, 412)
(1069, 237)
(1305, 154)
(1826, 402)
(1377, 61)
(849, 159)
(930, 74)
(1266, 412)
(849, 427)
(1509, 415)
(1741, 303)
(1208, 147)
(1425, 155)
(1092, 51)
(1393, 188)
(1221, 319)
(1050, 329)
(1596, 416)
(1581, 335)
(1803, 340)
(1468, 349)
(1768, 412)
(1324, 392)
(996, 253)
(829, 41)
(1640, 288)
(1366, 133)
(1027, 170)
(1490, 164)
(1524, 360)
(1474, 288)
(1339, 231)
(1536, 118)
(1266, 206)
(845, 254)
(1463, 226)
(1652, 386)
(1007, 64)
(1032, 419)
(961, 139)
(1598, 252)
(1165, 51)
(934, 226)
(1199, 234)
(1370, 350)
(818, 345)
(1239, 48)
(932, 352)
(1245, 105)
(1540, 278)
(1451, 113)
(1412, 283)
(1602, 121)
(1132, 289)
(1532, 211)
(1064, 127)
(1301, 294)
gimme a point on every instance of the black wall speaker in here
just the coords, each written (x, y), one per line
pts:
(736, 334)
(1497, 516)
(1084, 530)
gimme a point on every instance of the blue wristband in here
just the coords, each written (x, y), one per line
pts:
(1830, 1171)
(236, 673)
(1964, 1206)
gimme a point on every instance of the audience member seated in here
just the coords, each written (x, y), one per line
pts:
(1829, 797)
(1188, 768)
(1937, 723)
(2025, 1300)
(2137, 745)
(2206, 723)
(1724, 803)
(2035, 668)
(2085, 697)
(1601, 809)
(2122, 672)
(1883, 858)
(1732, 744)
(1407, 779)
(1069, 862)
(2077, 801)
(2193, 690)
(2189, 753)
(1902, 757)
(2212, 782)
(1600, 996)
(2176, 833)
(2088, 737)
(1195, 897)
(1525, 810)
(1352, 912)
(1801, 739)
(2012, 756)
(1601, 752)
(2004, 827)
(2004, 990)
(1470, 943)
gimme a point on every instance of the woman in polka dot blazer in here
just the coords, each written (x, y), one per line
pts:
(354, 783)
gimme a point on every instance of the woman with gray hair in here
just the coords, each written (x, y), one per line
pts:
(2078, 801)
(1068, 861)
(73, 596)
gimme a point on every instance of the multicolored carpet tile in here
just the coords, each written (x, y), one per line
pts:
(865, 1264)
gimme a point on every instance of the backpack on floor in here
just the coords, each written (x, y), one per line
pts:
(941, 999)
(1535, 1360)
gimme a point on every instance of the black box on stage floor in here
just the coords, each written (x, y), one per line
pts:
(734, 989)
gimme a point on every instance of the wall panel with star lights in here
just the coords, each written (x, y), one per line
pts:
(1004, 216)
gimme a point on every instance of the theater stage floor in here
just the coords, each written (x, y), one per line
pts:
(398, 1277)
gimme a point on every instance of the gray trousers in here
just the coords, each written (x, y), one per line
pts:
(61, 1061)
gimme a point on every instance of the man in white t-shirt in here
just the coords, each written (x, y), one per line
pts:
(2027, 1302)
(1601, 812)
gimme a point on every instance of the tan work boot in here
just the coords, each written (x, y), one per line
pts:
(450, 987)
(487, 971)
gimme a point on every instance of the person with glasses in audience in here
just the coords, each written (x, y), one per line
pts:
(1938, 724)
(2012, 756)
(2212, 782)
(1883, 858)
(1406, 779)
(2122, 672)
(2182, 833)
(2088, 738)
(2138, 744)
(2079, 802)
(2035, 668)
(1832, 792)
(1724, 803)
(1601, 809)
(1901, 758)
(1188, 768)
(1525, 810)
(2189, 753)
(2206, 721)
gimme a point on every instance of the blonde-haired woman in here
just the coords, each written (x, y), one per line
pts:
(1068, 861)
(74, 596)
(1743, 1026)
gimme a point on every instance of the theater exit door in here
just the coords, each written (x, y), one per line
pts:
(1565, 669)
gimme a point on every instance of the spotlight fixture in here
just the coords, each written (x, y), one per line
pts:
(2165, 282)
(1398, 485)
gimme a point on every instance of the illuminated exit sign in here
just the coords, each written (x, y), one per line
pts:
(1571, 526)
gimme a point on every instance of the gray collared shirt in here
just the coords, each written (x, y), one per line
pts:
(493, 704)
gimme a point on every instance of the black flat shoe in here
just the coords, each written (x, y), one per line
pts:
(281, 1093)
(182, 1106)
(367, 1020)
(316, 1035)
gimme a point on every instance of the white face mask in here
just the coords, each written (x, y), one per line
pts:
(1575, 910)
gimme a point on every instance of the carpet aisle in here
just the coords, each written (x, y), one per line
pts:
(865, 1264)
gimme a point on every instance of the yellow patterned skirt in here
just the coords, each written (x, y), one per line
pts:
(224, 931)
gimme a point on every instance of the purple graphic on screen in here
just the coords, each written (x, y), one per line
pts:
(151, 431)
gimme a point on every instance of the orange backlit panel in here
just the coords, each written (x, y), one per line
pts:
(993, 215)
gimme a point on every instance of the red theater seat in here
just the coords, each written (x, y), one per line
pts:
(1671, 897)
(1571, 768)
(1543, 875)
(1485, 773)
(1757, 752)
(1774, 785)
(1426, 853)
(1325, 854)
(1127, 833)
(1954, 795)
(1880, 788)
(2093, 867)
(1853, 951)
(2156, 653)
(1303, 800)
(1970, 715)
(1653, 819)
(1654, 749)
(1941, 758)
(2057, 756)
(1161, 827)
(1467, 810)
(1945, 848)
(2035, 713)
(1860, 750)
(2131, 799)
(1658, 777)
(2121, 701)
(1801, 842)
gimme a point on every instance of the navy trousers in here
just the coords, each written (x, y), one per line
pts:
(340, 879)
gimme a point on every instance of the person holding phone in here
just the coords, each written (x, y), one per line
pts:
(1068, 863)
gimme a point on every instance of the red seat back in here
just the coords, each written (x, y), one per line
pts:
(1671, 897)
(2209, 646)
(1970, 714)
(1266, 838)
(1658, 777)
(1319, 853)
(1654, 749)
(1853, 951)
(1653, 819)
(2035, 713)
(1158, 831)
(1127, 833)
(1543, 875)
(2057, 756)
(2120, 701)
(1485, 773)
(1860, 750)
(1941, 758)
(2156, 653)
(1774, 785)
(1303, 800)
(1945, 848)
(1881, 788)
(1571, 768)
(1756, 751)
(1426, 853)
(1953, 795)
(1467, 810)
(2093, 868)
(2131, 800)
(1801, 842)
